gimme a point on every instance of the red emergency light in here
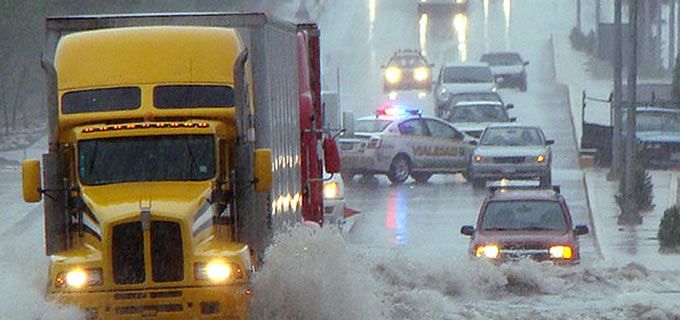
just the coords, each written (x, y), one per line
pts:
(397, 110)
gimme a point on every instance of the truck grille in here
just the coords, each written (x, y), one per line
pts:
(127, 253)
(508, 159)
(167, 258)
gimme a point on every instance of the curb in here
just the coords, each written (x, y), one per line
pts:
(591, 203)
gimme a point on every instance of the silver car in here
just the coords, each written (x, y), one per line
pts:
(511, 151)
(472, 117)
(400, 146)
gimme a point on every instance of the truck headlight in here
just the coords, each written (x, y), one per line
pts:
(442, 94)
(393, 75)
(489, 251)
(561, 252)
(478, 158)
(421, 74)
(217, 271)
(540, 159)
(79, 278)
(331, 190)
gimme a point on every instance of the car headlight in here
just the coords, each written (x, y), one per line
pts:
(421, 74)
(561, 252)
(331, 190)
(393, 75)
(489, 251)
(79, 278)
(540, 158)
(443, 94)
(217, 271)
(478, 158)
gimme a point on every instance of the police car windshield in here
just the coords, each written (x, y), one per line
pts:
(467, 74)
(371, 125)
(523, 215)
(478, 113)
(512, 136)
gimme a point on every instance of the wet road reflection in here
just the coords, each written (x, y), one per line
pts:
(460, 26)
(396, 218)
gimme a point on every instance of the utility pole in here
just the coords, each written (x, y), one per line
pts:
(617, 138)
(671, 34)
(578, 15)
(630, 215)
(598, 15)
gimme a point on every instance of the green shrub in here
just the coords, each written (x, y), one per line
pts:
(643, 189)
(669, 230)
(675, 92)
(578, 39)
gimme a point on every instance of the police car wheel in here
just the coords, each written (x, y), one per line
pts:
(400, 169)
(421, 177)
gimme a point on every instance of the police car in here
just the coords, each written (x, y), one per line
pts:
(399, 143)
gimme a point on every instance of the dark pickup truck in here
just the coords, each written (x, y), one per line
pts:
(657, 130)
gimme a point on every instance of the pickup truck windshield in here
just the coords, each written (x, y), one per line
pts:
(523, 215)
(148, 158)
(658, 121)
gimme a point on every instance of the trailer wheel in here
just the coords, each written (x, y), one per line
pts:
(400, 169)
(347, 176)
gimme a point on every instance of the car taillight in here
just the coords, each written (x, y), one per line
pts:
(374, 143)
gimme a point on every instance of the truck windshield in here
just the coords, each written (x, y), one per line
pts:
(148, 158)
(523, 215)
(467, 74)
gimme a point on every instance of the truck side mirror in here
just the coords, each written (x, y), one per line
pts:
(263, 170)
(348, 123)
(513, 119)
(549, 142)
(30, 175)
(467, 230)
(331, 156)
(509, 106)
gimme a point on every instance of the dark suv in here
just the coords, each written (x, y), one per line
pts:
(518, 223)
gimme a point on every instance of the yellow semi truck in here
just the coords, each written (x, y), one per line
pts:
(174, 155)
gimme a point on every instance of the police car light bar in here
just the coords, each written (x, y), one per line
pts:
(397, 110)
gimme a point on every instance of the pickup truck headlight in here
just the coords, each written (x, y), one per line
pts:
(490, 251)
(561, 252)
(217, 271)
(331, 190)
(393, 75)
(79, 278)
(421, 74)
(540, 159)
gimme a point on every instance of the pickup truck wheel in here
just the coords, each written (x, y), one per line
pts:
(523, 85)
(421, 177)
(546, 180)
(400, 169)
(478, 183)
